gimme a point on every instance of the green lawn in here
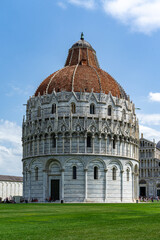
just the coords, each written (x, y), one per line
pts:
(80, 221)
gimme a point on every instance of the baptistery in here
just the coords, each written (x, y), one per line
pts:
(80, 135)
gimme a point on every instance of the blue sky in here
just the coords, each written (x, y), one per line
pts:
(34, 42)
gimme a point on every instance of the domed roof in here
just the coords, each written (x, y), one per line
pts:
(82, 43)
(158, 145)
(81, 73)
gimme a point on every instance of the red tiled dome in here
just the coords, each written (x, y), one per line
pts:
(81, 73)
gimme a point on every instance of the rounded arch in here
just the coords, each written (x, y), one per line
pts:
(142, 181)
(92, 108)
(95, 165)
(32, 161)
(130, 164)
(96, 159)
(109, 110)
(50, 161)
(114, 167)
(73, 107)
(114, 162)
(73, 158)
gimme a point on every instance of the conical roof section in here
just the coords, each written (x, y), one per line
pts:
(82, 53)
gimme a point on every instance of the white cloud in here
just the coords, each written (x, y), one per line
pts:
(90, 4)
(149, 119)
(10, 148)
(141, 15)
(155, 97)
(62, 5)
(149, 133)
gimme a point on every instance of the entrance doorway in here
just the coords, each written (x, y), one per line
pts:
(54, 190)
(158, 192)
(142, 191)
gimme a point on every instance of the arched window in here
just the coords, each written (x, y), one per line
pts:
(53, 108)
(39, 112)
(36, 174)
(74, 172)
(124, 114)
(127, 174)
(92, 108)
(89, 141)
(114, 173)
(53, 141)
(95, 172)
(73, 107)
(109, 110)
(114, 143)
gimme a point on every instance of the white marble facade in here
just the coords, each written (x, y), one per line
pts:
(80, 147)
(149, 171)
(10, 186)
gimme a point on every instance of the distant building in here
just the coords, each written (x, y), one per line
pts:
(10, 186)
(149, 168)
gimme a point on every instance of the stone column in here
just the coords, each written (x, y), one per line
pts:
(37, 145)
(106, 144)
(70, 142)
(111, 145)
(33, 147)
(49, 146)
(122, 143)
(133, 195)
(100, 139)
(105, 190)
(93, 137)
(29, 185)
(29, 148)
(62, 184)
(43, 142)
(126, 147)
(7, 189)
(63, 143)
(86, 184)
(137, 183)
(56, 137)
(44, 184)
(2, 190)
(85, 141)
(78, 143)
(129, 150)
(122, 185)
(118, 145)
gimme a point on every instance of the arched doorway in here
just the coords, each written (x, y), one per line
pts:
(158, 190)
(53, 180)
(142, 188)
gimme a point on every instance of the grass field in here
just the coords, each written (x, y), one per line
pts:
(80, 221)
